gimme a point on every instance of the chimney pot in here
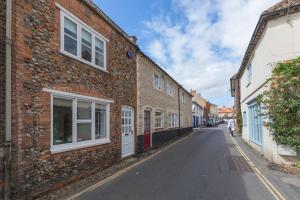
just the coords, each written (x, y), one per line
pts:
(133, 39)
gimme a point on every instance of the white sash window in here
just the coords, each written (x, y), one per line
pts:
(81, 42)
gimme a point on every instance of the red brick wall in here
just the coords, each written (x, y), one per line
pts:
(40, 65)
(237, 98)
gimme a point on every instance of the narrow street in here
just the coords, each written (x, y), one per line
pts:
(205, 165)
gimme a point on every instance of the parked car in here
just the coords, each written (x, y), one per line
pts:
(210, 123)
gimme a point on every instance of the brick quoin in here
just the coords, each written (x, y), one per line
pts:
(38, 64)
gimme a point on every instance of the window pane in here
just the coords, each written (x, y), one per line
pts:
(99, 46)
(99, 59)
(158, 119)
(86, 53)
(70, 45)
(84, 110)
(86, 38)
(170, 89)
(100, 121)
(84, 132)
(62, 121)
(157, 81)
(70, 28)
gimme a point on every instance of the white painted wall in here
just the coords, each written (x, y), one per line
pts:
(280, 41)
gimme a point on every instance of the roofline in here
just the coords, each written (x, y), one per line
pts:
(193, 101)
(262, 17)
(164, 71)
(212, 104)
(235, 76)
(97, 10)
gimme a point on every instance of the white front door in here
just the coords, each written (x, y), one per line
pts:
(127, 118)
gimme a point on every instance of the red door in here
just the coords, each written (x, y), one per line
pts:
(147, 130)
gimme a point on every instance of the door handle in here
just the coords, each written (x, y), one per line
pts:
(126, 134)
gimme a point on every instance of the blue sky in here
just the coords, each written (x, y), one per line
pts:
(132, 15)
(199, 42)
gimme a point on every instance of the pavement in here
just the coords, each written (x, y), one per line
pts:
(287, 184)
(206, 165)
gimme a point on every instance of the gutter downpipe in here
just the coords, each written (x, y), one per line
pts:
(179, 124)
(8, 47)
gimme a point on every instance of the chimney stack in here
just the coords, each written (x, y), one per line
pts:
(193, 92)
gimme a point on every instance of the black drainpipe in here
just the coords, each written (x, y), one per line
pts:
(179, 128)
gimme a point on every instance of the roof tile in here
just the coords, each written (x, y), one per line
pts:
(282, 5)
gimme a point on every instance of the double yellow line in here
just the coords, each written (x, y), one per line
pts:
(261, 177)
(276, 194)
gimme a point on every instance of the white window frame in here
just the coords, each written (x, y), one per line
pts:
(161, 119)
(172, 120)
(81, 25)
(194, 108)
(183, 97)
(82, 144)
(170, 89)
(161, 86)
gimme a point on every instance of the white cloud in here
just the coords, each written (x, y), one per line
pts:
(201, 42)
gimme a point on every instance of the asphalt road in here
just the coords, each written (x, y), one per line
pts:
(205, 165)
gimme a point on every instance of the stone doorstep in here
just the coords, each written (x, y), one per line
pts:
(78, 184)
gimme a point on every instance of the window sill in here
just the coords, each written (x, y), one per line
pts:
(80, 145)
(82, 61)
(161, 90)
(173, 127)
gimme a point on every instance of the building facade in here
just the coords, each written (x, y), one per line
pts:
(213, 113)
(225, 113)
(271, 42)
(235, 93)
(198, 115)
(202, 102)
(73, 102)
(164, 108)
